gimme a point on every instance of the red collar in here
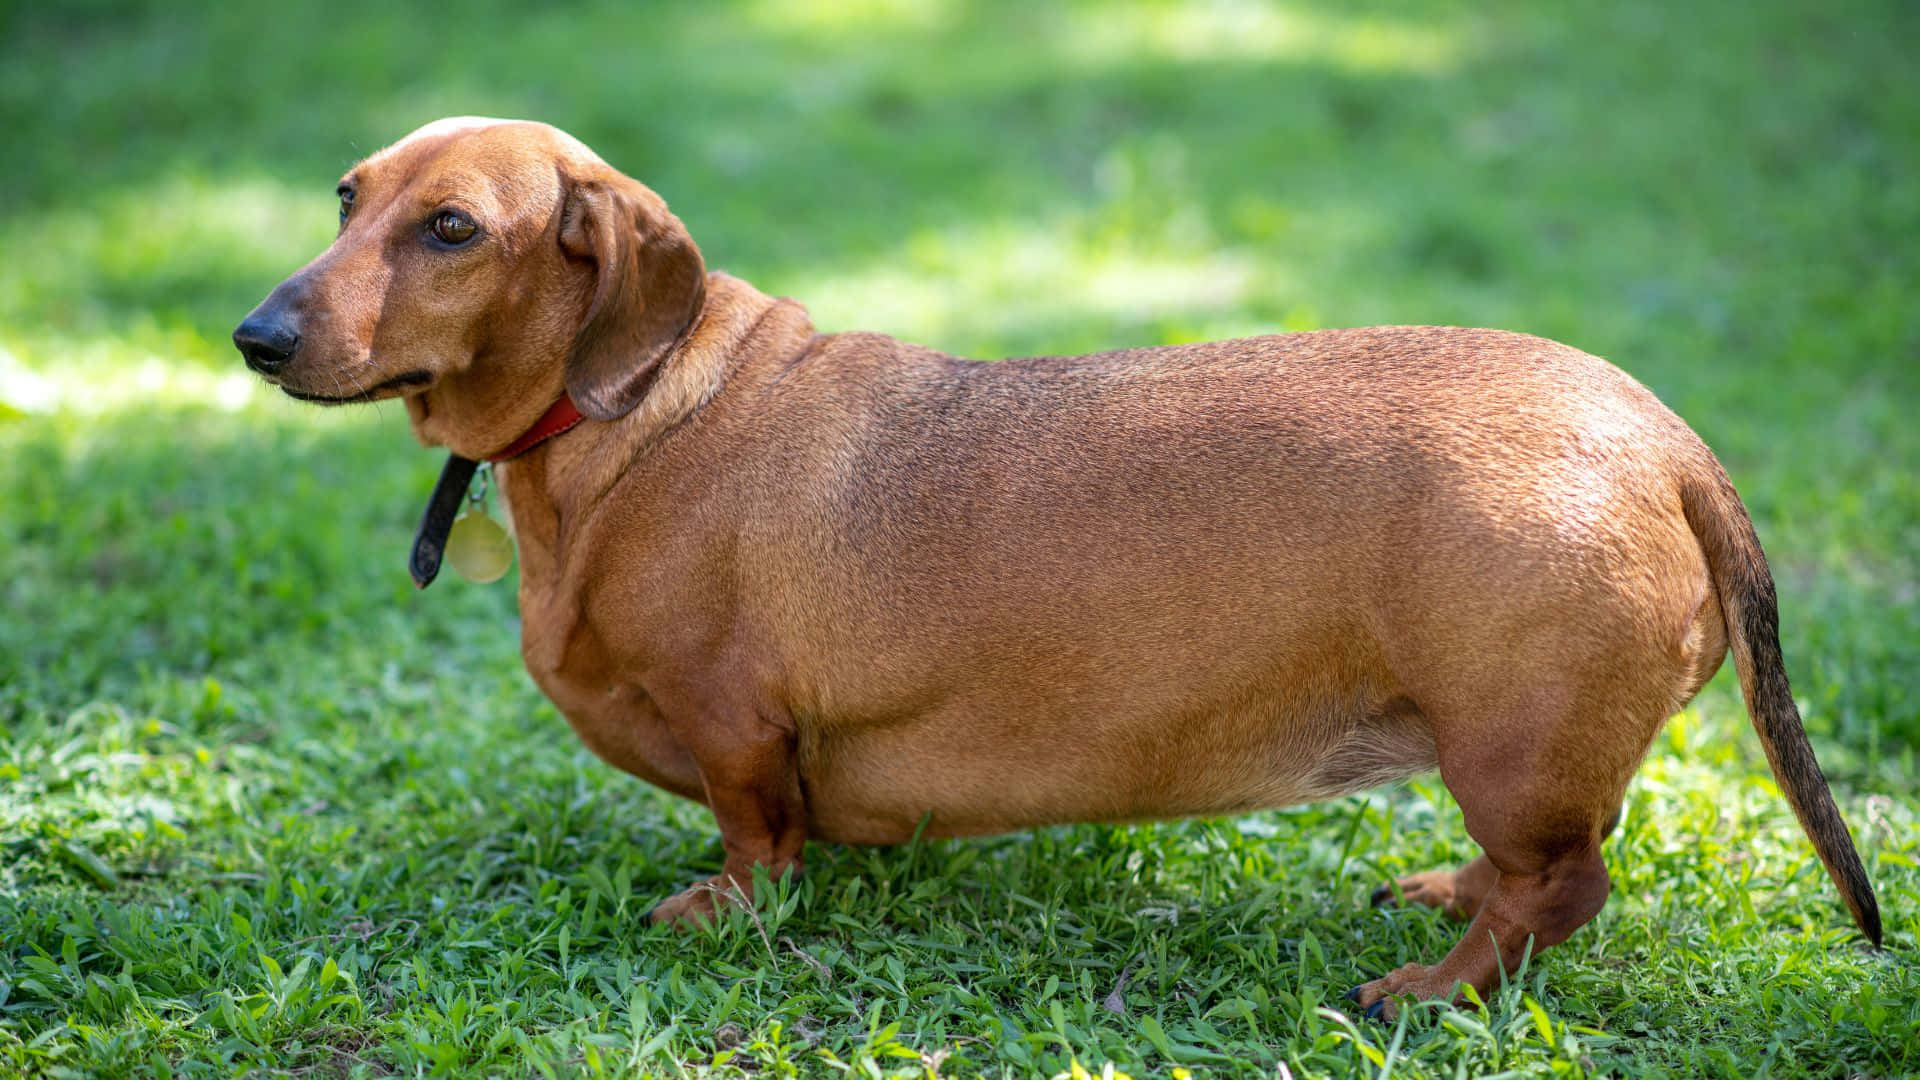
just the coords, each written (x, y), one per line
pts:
(562, 416)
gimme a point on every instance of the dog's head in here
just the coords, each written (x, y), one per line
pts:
(481, 267)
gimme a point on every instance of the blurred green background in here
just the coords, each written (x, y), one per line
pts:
(214, 673)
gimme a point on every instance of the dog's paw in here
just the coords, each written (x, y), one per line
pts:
(1457, 893)
(1377, 998)
(1432, 889)
(695, 905)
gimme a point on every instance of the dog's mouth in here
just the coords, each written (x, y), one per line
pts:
(399, 382)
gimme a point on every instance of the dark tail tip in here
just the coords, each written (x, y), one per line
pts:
(1866, 909)
(1850, 876)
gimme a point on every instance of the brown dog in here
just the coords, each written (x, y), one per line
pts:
(833, 585)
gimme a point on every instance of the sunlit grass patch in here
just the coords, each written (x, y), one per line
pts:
(1240, 31)
(853, 17)
(114, 375)
(1010, 283)
(149, 263)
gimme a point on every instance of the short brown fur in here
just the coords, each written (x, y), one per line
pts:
(833, 585)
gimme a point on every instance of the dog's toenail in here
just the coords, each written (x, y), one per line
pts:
(1353, 995)
(1381, 895)
(1375, 1010)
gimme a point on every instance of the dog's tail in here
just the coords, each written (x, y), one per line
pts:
(1747, 604)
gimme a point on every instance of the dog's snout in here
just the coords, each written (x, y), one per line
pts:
(267, 343)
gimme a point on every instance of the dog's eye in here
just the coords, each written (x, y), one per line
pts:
(346, 203)
(450, 227)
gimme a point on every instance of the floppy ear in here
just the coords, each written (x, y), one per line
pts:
(649, 284)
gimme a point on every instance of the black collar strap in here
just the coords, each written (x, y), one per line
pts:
(430, 543)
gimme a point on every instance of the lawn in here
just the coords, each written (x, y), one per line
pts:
(264, 809)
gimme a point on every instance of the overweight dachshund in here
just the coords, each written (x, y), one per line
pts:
(836, 586)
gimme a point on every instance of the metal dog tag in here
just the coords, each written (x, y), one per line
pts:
(479, 548)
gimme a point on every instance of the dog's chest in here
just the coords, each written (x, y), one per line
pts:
(615, 717)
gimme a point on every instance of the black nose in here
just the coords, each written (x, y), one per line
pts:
(266, 343)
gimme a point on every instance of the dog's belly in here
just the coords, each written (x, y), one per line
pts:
(965, 769)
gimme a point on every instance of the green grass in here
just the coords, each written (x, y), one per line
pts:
(264, 809)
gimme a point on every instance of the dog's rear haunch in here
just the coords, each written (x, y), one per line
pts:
(831, 585)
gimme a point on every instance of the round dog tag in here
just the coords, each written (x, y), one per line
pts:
(479, 548)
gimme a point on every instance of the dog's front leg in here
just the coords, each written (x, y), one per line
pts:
(752, 784)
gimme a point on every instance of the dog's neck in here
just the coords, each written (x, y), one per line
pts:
(478, 411)
(577, 468)
(561, 417)
(744, 339)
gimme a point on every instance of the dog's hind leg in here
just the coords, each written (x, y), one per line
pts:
(1539, 784)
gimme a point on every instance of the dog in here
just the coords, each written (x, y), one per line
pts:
(841, 587)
